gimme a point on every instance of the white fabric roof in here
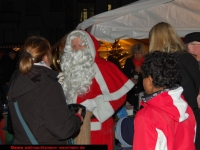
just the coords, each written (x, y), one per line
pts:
(136, 19)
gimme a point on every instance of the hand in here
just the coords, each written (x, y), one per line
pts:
(79, 114)
(60, 77)
(80, 111)
(135, 81)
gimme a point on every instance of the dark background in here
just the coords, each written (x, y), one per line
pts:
(51, 19)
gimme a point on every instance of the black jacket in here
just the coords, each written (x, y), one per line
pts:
(42, 104)
(190, 79)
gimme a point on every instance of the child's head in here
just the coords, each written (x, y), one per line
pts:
(160, 70)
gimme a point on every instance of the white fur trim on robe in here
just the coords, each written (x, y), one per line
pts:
(95, 126)
(103, 109)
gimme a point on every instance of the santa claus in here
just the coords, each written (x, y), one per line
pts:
(95, 83)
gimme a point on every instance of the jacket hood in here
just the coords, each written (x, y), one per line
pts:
(172, 102)
(22, 84)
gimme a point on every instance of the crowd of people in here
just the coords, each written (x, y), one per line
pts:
(168, 75)
(170, 78)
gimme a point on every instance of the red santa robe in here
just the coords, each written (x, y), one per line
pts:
(107, 93)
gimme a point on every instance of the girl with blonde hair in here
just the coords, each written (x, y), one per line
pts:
(164, 37)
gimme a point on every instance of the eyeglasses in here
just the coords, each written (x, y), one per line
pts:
(78, 46)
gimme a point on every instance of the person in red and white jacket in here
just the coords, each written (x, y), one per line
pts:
(166, 121)
(93, 82)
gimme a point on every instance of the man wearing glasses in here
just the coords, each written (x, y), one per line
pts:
(192, 41)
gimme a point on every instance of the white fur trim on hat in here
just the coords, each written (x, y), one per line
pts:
(89, 40)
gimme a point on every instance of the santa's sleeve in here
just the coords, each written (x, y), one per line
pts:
(114, 85)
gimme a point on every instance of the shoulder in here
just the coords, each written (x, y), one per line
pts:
(184, 55)
(102, 63)
(53, 89)
(186, 60)
(143, 118)
(143, 114)
(109, 68)
(148, 115)
(52, 83)
(44, 77)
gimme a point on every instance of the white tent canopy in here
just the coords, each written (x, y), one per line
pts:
(136, 19)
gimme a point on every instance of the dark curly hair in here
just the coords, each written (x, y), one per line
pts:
(163, 68)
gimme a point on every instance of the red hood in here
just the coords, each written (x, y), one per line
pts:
(96, 44)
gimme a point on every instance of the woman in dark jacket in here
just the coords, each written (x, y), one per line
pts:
(132, 71)
(40, 98)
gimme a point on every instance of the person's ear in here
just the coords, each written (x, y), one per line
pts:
(190, 47)
(46, 60)
(150, 81)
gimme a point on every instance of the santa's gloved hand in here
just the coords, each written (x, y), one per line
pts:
(89, 104)
(60, 77)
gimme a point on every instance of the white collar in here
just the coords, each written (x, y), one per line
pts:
(42, 63)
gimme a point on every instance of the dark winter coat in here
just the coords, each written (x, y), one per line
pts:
(190, 81)
(42, 104)
(190, 78)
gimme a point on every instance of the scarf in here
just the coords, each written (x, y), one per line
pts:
(148, 97)
(137, 62)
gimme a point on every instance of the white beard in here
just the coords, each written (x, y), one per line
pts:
(77, 67)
